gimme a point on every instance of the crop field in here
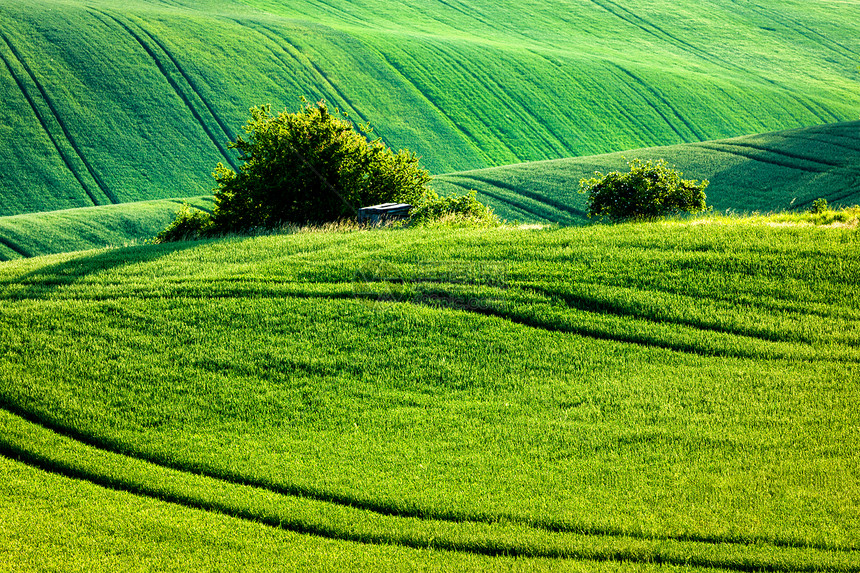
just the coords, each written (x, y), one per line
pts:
(36, 234)
(103, 105)
(772, 172)
(628, 397)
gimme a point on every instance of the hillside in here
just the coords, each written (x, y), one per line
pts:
(102, 105)
(779, 171)
(771, 172)
(606, 398)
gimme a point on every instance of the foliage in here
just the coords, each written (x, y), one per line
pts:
(190, 223)
(465, 208)
(311, 166)
(819, 206)
(650, 190)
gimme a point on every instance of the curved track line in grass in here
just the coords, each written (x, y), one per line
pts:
(726, 148)
(162, 68)
(530, 194)
(191, 84)
(461, 129)
(465, 71)
(515, 205)
(65, 156)
(826, 138)
(599, 306)
(490, 544)
(124, 471)
(547, 133)
(656, 107)
(289, 47)
(777, 151)
(617, 108)
(809, 33)
(662, 99)
(661, 34)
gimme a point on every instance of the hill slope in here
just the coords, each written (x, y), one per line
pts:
(779, 171)
(599, 398)
(102, 105)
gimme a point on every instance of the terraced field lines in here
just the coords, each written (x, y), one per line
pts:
(48, 116)
(184, 89)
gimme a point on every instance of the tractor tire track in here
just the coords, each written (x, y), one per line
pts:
(68, 158)
(808, 32)
(191, 83)
(489, 86)
(501, 198)
(159, 63)
(457, 127)
(194, 496)
(526, 193)
(187, 486)
(722, 148)
(647, 88)
(617, 108)
(661, 34)
(784, 153)
(292, 50)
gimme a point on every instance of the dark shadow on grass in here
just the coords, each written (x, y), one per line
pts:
(434, 298)
(50, 277)
(491, 548)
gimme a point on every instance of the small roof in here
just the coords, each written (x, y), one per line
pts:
(387, 207)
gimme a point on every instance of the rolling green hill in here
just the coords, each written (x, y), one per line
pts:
(779, 171)
(85, 228)
(642, 397)
(771, 172)
(104, 104)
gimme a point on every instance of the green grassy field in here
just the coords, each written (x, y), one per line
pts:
(36, 234)
(629, 397)
(104, 105)
(771, 172)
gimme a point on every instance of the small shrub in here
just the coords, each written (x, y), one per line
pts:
(189, 224)
(649, 191)
(819, 206)
(452, 209)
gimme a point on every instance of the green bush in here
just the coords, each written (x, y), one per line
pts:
(311, 166)
(458, 208)
(190, 224)
(819, 206)
(649, 191)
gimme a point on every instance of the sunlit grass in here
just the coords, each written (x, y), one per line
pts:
(676, 392)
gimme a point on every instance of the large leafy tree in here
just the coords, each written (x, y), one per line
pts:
(311, 166)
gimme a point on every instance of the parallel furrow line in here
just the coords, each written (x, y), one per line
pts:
(463, 130)
(59, 121)
(292, 50)
(655, 106)
(526, 193)
(173, 84)
(724, 148)
(661, 34)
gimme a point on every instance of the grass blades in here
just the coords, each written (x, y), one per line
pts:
(771, 172)
(70, 230)
(668, 393)
(103, 106)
